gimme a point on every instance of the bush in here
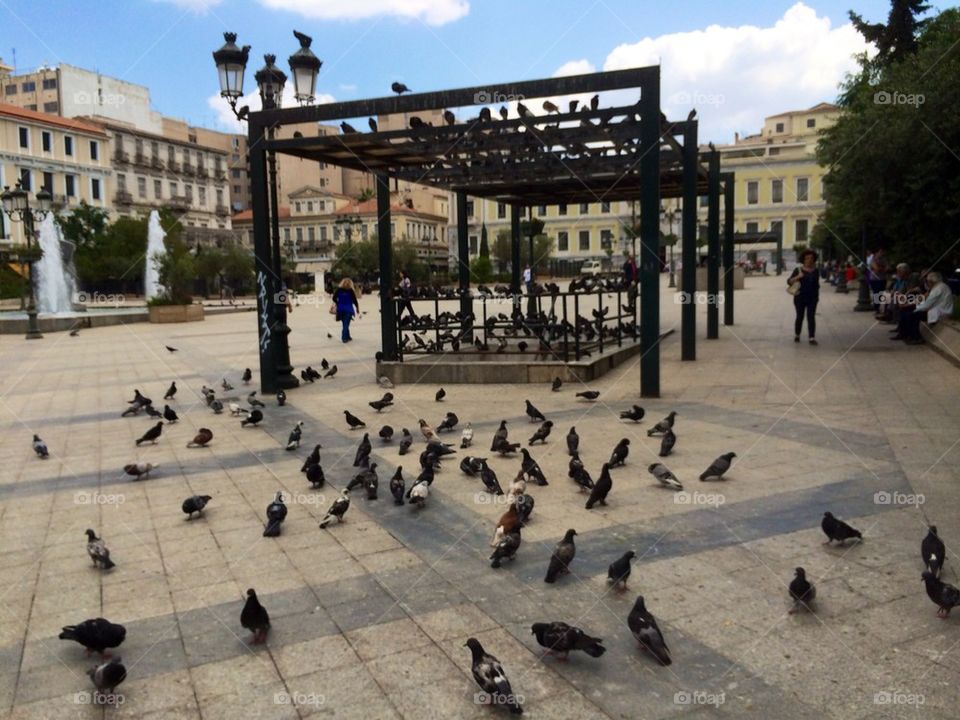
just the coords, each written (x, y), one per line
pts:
(481, 270)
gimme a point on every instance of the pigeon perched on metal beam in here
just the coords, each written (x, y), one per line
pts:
(399, 88)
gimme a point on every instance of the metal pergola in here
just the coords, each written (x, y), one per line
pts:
(576, 155)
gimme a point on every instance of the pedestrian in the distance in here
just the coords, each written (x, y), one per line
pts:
(345, 298)
(406, 292)
(806, 280)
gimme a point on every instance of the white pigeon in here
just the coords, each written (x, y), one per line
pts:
(518, 487)
(419, 493)
(235, 409)
(384, 382)
(466, 437)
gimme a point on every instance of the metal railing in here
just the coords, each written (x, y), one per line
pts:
(553, 325)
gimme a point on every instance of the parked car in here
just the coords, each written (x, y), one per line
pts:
(590, 267)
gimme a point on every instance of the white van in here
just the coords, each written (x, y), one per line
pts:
(590, 267)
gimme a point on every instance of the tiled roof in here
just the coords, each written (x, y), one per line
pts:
(48, 119)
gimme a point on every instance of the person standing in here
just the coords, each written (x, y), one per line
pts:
(406, 292)
(807, 280)
(345, 298)
(528, 279)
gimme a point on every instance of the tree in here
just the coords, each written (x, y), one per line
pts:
(238, 268)
(209, 266)
(898, 38)
(891, 167)
(84, 225)
(484, 244)
(502, 248)
(176, 270)
(481, 270)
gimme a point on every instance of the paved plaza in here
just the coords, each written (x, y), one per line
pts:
(369, 617)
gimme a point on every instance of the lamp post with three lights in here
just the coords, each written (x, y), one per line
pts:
(16, 204)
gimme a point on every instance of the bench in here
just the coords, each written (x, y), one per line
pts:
(944, 338)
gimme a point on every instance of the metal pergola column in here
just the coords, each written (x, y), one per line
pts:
(463, 263)
(729, 188)
(649, 107)
(388, 310)
(688, 311)
(713, 247)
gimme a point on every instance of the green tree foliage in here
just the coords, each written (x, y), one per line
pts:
(484, 243)
(542, 247)
(237, 268)
(481, 270)
(892, 167)
(361, 258)
(176, 270)
(898, 38)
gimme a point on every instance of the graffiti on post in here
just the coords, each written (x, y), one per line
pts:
(263, 296)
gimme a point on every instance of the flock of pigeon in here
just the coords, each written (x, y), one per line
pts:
(100, 635)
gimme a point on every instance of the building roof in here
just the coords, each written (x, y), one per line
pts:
(131, 129)
(247, 215)
(53, 120)
(369, 207)
(314, 190)
(818, 108)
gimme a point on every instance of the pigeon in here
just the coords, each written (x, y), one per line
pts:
(315, 475)
(216, 406)
(667, 442)
(75, 332)
(635, 413)
(254, 417)
(337, 510)
(171, 391)
(397, 486)
(524, 504)
(171, 349)
(601, 488)
(108, 675)
(542, 433)
(719, 466)
(589, 394)
(399, 88)
(373, 124)
(500, 443)
(506, 548)
(324, 365)
(347, 128)
(363, 451)
(152, 411)
(227, 387)
(247, 376)
(945, 596)
(406, 441)
(293, 441)
(371, 481)
(386, 433)
(620, 452)
(195, 504)
(253, 401)
(441, 394)
(534, 414)
(379, 405)
(276, 514)
(466, 436)
(837, 529)
(169, 414)
(579, 473)
(235, 409)
(558, 637)
(556, 384)
(418, 493)
(550, 108)
(662, 426)
(40, 447)
(472, 465)
(644, 627)
(664, 476)
(281, 398)
(98, 551)
(312, 459)
(139, 470)
(489, 674)
(619, 571)
(507, 523)
(802, 591)
(489, 478)
(532, 469)
(151, 435)
(254, 617)
(573, 441)
(933, 551)
(563, 555)
(448, 423)
(95, 635)
(427, 431)
(353, 421)
(138, 398)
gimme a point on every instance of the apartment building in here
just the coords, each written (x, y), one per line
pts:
(70, 158)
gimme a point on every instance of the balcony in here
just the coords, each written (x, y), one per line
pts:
(120, 156)
(179, 202)
(122, 197)
(187, 169)
(219, 174)
(201, 171)
(156, 163)
(141, 160)
(222, 210)
(173, 166)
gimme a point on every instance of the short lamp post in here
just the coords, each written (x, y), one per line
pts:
(231, 62)
(670, 215)
(16, 204)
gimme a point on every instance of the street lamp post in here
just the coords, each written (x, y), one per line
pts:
(16, 204)
(670, 216)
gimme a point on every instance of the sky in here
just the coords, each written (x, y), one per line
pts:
(735, 61)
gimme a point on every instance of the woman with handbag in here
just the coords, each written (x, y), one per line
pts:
(344, 302)
(804, 285)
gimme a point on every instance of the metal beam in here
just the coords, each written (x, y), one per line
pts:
(713, 248)
(263, 258)
(729, 187)
(650, 238)
(688, 311)
(388, 311)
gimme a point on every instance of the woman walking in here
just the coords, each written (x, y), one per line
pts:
(406, 292)
(345, 299)
(806, 280)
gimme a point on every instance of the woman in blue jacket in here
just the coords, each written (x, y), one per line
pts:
(345, 298)
(807, 280)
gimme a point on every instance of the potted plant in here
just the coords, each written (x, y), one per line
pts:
(176, 269)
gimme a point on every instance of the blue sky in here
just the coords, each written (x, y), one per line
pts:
(166, 44)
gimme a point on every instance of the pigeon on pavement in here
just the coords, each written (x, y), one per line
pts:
(448, 423)
(276, 514)
(556, 385)
(252, 400)
(254, 617)
(466, 436)
(95, 635)
(293, 441)
(98, 551)
(169, 414)
(563, 555)
(489, 478)
(507, 523)
(601, 488)
(337, 509)
(254, 417)
(353, 421)
(489, 674)
(838, 530)
(573, 441)
(441, 394)
(139, 470)
(579, 474)
(589, 394)
(933, 551)
(718, 467)
(331, 372)
(619, 570)
(534, 414)
(667, 442)
(542, 433)
(406, 441)
(397, 486)
(363, 451)
(635, 413)
(312, 459)
(315, 475)
(386, 433)
(945, 596)
(802, 591)
(506, 548)
(662, 426)
(247, 376)
(195, 504)
(419, 492)
(664, 476)
(644, 627)
(203, 436)
(40, 447)
(620, 452)
(171, 391)
(151, 435)
(108, 675)
(558, 637)
(532, 469)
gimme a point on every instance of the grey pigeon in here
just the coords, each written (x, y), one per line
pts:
(247, 376)
(506, 548)
(667, 442)
(556, 384)
(489, 675)
(195, 504)
(40, 447)
(441, 394)
(619, 570)
(139, 470)
(838, 530)
(558, 637)
(255, 618)
(601, 488)
(98, 552)
(563, 555)
(293, 441)
(490, 481)
(338, 509)
(664, 476)
(405, 442)
(718, 467)
(662, 426)
(253, 401)
(276, 514)
(108, 675)
(644, 627)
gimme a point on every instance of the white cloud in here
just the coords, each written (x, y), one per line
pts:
(227, 121)
(196, 6)
(735, 76)
(432, 12)
(575, 67)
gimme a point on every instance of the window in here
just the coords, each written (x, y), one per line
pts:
(157, 189)
(584, 208)
(803, 189)
(605, 207)
(171, 154)
(70, 185)
(752, 227)
(141, 187)
(501, 210)
(584, 239)
(51, 107)
(30, 86)
(299, 234)
(203, 196)
(286, 235)
(779, 127)
(323, 233)
(469, 208)
(776, 226)
(312, 234)
(473, 244)
(68, 145)
(173, 189)
(94, 188)
(26, 180)
(363, 232)
(94, 150)
(48, 182)
(606, 239)
(46, 141)
(773, 151)
(309, 206)
(753, 190)
(219, 197)
(563, 241)
(121, 182)
(801, 232)
(321, 205)
(236, 189)
(11, 89)
(562, 209)
(188, 191)
(24, 137)
(811, 122)
(296, 206)
(777, 191)
(49, 83)
(542, 210)
(30, 107)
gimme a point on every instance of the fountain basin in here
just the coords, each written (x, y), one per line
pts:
(175, 313)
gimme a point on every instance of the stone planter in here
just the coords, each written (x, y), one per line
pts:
(175, 313)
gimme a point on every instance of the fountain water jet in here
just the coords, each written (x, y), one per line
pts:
(155, 247)
(55, 285)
